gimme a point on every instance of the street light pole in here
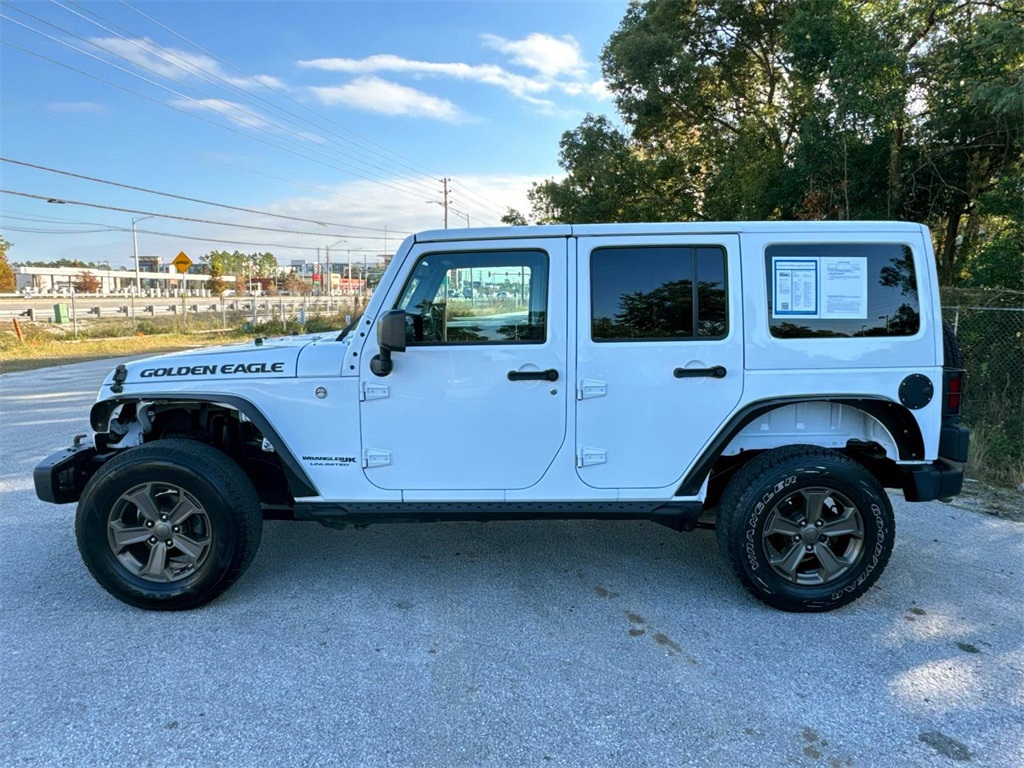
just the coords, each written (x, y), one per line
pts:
(135, 245)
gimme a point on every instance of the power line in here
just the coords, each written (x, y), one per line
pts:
(61, 200)
(189, 199)
(305, 107)
(114, 228)
(195, 70)
(279, 92)
(344, 168)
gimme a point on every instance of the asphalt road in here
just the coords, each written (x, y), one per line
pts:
(533, 644)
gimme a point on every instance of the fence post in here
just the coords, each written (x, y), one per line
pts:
(956, 322)
(74, 313)
(135, 325)
(223, 314)
(284, 322)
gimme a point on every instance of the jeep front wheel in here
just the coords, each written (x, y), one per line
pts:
(168, 525)
(805, 528)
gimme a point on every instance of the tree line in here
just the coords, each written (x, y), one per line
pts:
(811, 109)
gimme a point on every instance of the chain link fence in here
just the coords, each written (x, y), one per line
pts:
(989, 325)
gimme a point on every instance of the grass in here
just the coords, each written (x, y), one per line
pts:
(46, 344)
(994, 458)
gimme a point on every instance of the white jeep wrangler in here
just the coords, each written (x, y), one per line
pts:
(776, 375)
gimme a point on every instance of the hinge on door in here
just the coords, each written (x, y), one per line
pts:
(371, 391)
(591, 388)
(372, 457)
(588, 457)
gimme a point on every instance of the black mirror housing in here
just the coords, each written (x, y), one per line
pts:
(391, 331)
(390, 338)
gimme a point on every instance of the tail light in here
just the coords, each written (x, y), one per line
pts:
(953, 390)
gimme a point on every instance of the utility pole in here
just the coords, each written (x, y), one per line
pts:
(327, 255)
(445, 181)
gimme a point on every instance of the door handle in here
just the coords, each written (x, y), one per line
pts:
(715, 372)
(549, 375)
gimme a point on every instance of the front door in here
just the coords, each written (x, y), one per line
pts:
(660, 354)
(477, 402)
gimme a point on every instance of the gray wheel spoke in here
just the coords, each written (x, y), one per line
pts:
(193, 549)
(848, 524)
(815, 499)
(789, 560)
(143, 501)
(782, 525)
(157, 561)
(182, 511)
(831, 566)
(125, 536)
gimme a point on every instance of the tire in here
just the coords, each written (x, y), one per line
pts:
(833, 504)
(952, 354)
(169, 525)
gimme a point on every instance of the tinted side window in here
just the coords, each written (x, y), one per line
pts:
(477, 298)
(841, 290)
(657, 293)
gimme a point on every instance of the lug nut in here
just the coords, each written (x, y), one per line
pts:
(176, 529)
(152, 539)
(818, 524)
(163, 517)
(810, 548)
(169, 542)
(823, 537)
(797, 537)
(149, 523)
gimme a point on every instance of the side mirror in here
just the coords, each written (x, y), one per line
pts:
(390, 338)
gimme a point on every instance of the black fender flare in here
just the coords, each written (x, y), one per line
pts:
(299, 483)
(896, 418)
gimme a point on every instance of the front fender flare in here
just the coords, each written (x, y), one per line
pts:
(299, 483)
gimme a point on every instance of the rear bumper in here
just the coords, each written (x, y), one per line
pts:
(942, 479)
(60, 477)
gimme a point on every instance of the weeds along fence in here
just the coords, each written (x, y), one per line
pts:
(990, 327)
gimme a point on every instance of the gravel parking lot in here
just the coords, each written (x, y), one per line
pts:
(550, 643)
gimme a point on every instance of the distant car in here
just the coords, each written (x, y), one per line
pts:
(503, 295)
(26, 292)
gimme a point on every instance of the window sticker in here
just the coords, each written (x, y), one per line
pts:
(844, 288)
(795, 287)
(825, 287)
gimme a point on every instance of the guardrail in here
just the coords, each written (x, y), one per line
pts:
(259, 308)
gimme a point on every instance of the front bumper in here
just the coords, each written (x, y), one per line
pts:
(60, 477)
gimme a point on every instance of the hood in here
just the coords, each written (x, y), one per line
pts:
(270, 358)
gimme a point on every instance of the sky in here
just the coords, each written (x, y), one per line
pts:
(339, 118)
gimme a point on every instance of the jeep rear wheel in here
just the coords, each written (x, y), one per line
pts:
(168, 525)
(805, 528)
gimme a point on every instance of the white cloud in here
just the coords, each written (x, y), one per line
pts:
(373, 94)
(179, 65)
(235, 112)
(557, 64)
(551, 56)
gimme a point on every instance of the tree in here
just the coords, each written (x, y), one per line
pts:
(228, 269)
(514, 218)
(296, 286)
(86, 282)
(812, 109)
(8, 283)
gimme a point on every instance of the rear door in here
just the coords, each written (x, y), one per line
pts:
(660, 354)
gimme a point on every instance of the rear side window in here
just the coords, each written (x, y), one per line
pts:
(841, 290)
(658, 293)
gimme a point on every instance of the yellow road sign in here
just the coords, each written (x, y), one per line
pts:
(182, 262)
